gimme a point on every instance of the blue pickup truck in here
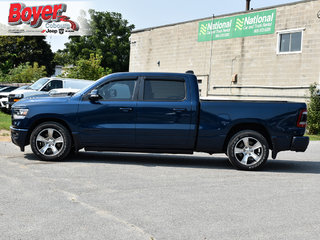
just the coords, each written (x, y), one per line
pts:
(157, 113)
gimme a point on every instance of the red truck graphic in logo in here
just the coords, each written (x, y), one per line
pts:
(34, 16)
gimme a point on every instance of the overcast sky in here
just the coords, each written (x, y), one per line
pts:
(150, 13)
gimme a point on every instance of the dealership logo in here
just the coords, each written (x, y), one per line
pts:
(55, 31)
(258, 19)
(245, 22)
(218, 25)
(239, 24)
(203, 29)
(34, 16)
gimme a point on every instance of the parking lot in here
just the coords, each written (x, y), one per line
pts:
(158, 196)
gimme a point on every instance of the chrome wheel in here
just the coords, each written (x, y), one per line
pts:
(248, 151)
(49, 142)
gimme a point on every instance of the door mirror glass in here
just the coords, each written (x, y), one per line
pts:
(94, 95)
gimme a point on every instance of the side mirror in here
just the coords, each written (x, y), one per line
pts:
(94, 95)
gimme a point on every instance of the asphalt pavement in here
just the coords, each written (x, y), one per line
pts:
(158, 196)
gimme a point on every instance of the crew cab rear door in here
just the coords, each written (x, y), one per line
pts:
(164, 114)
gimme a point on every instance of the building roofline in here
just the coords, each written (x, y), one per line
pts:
(223, 15)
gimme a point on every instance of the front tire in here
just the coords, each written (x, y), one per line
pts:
(50, 141)
(248, 150)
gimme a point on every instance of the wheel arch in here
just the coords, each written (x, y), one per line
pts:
(248, 126)
(51, 119)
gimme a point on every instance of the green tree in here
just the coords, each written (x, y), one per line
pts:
(61, 58)
(3, 77)
(314, 110)
(16, 50)
(88, 69)
(5, 66)
(26, 73)
(110, 39)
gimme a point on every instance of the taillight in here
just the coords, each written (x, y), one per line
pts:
(302, 120)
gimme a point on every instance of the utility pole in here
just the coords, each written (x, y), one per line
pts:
(248, 5)
(210, 62)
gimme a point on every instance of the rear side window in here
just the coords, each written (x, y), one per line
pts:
(117, 90)
(164, 90)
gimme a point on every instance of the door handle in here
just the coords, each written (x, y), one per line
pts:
(126, 109)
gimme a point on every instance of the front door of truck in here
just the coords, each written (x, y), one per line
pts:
(110, 121)
(163, 115)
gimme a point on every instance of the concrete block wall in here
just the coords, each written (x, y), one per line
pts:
(262, 73)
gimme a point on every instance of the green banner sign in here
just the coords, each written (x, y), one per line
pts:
(251, 24)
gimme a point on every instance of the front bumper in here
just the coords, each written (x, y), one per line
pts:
(19, 137)
(3, 102)
(299, 144)
(9, 105)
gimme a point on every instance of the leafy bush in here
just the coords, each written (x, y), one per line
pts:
(88, 69)
(314, 110)
(6, 66)
(26, 73)
(3, 77)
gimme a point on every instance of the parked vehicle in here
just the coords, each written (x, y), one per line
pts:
(2, 86)
(4, 93)
(44, 85)
(7, 89)
(63, 91)
(57, 92)
(159, 113)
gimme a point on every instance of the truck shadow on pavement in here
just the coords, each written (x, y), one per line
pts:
(182, 161)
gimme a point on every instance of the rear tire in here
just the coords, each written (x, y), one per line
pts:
(248, 150)
(51, 141)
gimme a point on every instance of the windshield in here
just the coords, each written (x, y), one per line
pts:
(38, 84)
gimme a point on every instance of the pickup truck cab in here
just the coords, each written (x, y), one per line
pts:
(158, 113)
(44, 85)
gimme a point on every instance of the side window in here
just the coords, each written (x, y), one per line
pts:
(53, 85)
(164, 90)
(289, 42)
(117, 90)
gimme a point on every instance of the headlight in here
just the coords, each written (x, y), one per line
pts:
(19, 113)
(17, 97)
